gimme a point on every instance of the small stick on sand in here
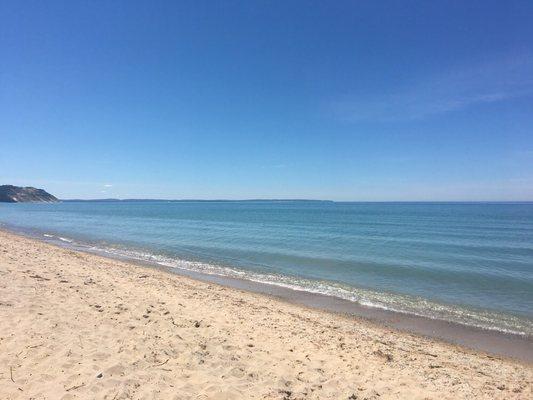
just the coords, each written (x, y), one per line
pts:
(11, 374)
(163, 363)
(75, 387)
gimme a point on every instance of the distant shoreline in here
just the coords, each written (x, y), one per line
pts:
(198, 200)
(303, 201)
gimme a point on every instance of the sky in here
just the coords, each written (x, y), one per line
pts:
(343, 100)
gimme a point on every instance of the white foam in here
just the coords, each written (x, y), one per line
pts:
(382, 300)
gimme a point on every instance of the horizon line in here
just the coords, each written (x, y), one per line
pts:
(293, 200)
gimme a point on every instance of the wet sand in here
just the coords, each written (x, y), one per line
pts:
(77, 325)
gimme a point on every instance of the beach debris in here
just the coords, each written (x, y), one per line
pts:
(381, 353)
(196, 324)
(287, 394)
(75, 387)
(39, 277)
(100, 375)
(162, 363)
(143, 276)
(11, 374)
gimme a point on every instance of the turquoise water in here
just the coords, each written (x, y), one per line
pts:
(470, 263)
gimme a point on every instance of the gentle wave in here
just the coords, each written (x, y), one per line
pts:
(63, 239)
(386, 301)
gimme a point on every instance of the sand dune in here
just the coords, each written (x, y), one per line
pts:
(75, 325)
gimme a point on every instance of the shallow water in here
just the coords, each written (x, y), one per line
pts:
(470, 263)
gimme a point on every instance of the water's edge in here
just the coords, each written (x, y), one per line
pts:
(493, 342)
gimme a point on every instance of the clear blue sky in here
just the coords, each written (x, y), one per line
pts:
(356, 100)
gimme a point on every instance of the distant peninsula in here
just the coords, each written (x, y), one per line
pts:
(17, 194)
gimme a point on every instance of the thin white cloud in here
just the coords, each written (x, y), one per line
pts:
(454, 90)
(108, 185)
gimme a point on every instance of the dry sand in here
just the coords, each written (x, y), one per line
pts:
(75, 325)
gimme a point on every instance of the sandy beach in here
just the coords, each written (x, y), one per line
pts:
(76, 325)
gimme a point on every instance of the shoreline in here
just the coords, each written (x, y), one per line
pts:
(493, 342)
(78, 325)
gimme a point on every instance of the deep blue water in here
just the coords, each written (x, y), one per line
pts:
(470, 263)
